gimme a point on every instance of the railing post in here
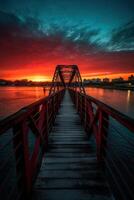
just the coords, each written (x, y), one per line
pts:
(20, 142)
(82, 103)
(89, 115)
(53, 108)
(85, 114)
(81, 107)
(57, 102)
(102, 135)
(47, 127)
(76, 99)
(41, 118)
(78, 103)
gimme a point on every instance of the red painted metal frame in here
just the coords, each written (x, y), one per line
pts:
(66, 76)
(96, 121)
(38, 119)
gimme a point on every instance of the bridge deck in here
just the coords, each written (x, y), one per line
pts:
(69, 169)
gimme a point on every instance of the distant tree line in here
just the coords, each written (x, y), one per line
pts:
(23, 82)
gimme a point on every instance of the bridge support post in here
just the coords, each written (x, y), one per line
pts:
(53, 109)
(46, 128)
(102, 136)
(22, 159)
(85, 113)
(76, 99)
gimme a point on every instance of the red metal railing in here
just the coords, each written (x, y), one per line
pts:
(23, 141)
(114, 139)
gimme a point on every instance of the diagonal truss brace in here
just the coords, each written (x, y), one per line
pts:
(66, 76)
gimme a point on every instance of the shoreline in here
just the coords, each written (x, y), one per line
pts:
(112, 87)
(86, 86)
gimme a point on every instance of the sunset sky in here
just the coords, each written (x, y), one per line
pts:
(36, 35)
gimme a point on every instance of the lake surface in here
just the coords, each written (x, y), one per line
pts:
(14, 98)
(122, 100)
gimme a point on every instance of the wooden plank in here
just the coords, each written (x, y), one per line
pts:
(73, 194)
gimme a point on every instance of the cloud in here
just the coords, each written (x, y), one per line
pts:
(13, 26)
(123, 37)
(26, 38)
(28, 46)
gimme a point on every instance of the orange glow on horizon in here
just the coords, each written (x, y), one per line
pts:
(41, 73)
(110, 76)
(34, 78)
(39, 78)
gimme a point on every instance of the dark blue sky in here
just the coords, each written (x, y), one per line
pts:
(97, 14)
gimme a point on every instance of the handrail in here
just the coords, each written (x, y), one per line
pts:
(122, 118)
(114, 139)
(24, 112)
(24, 137)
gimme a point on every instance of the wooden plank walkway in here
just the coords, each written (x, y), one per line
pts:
(69, 169)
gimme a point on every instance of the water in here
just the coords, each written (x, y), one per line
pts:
(14, 98)
(121, 100)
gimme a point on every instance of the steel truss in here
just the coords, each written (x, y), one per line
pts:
(67, 76)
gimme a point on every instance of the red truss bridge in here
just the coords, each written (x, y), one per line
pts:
(67, 146)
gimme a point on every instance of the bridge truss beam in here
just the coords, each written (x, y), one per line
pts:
(67, 76)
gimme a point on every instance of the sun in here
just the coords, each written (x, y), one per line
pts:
(39, 78)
